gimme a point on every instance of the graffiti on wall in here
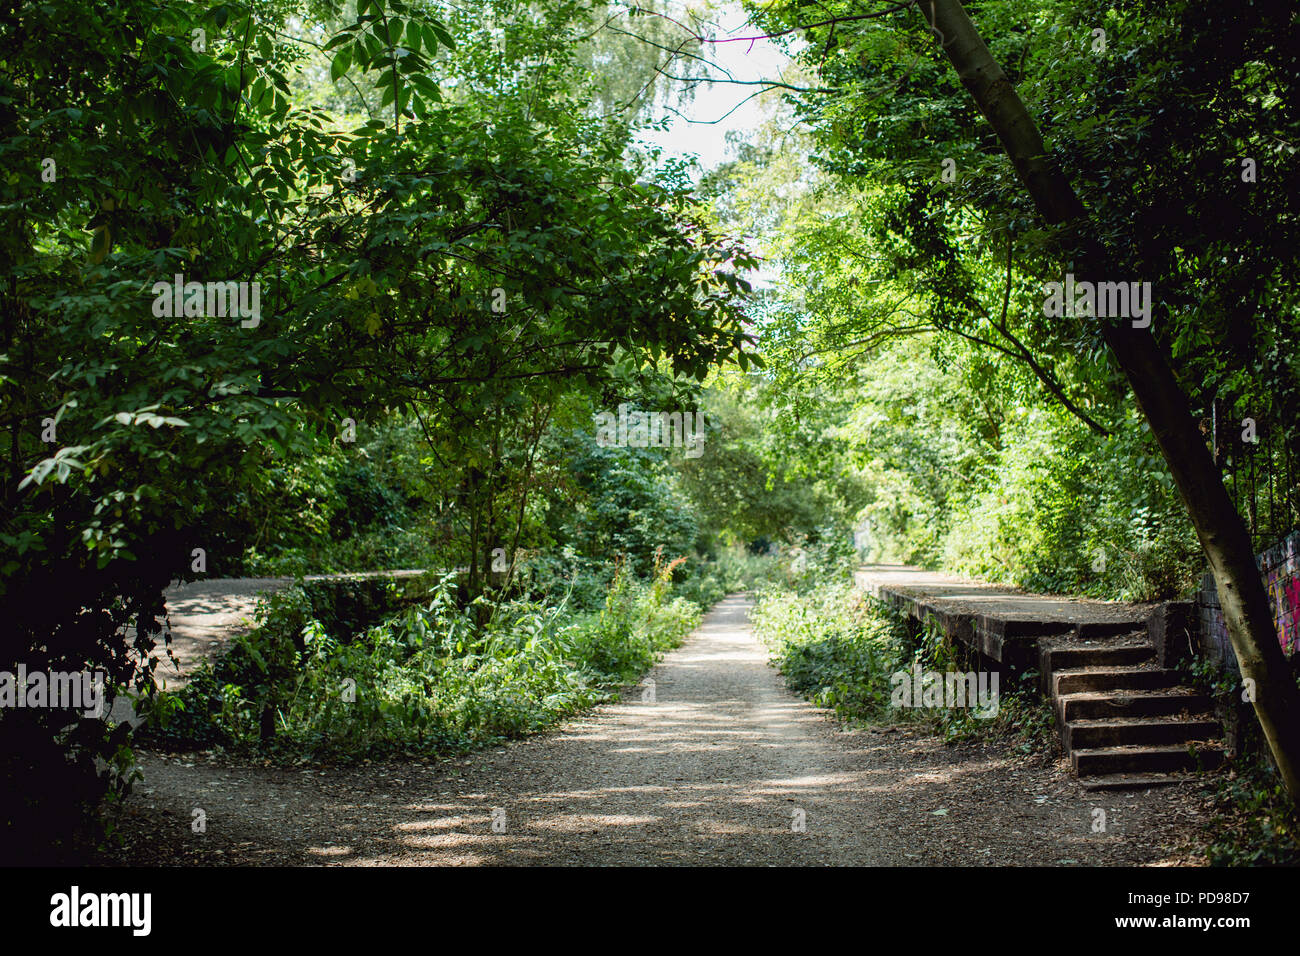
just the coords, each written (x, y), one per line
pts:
(1280, 568)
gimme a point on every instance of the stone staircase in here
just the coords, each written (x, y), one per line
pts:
(1125, 721)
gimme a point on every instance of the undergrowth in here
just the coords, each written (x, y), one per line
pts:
(1255, 822)
(435, 678)
(847, 652)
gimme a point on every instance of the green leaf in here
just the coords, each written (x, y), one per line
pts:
(100, 241)
(430, 38)
(341, 63)
(441, 33)
(339, 39)
(413, 35)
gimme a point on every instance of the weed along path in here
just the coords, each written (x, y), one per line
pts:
(711, 761)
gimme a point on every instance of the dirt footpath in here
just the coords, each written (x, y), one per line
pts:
(723, 766)
(204, 616)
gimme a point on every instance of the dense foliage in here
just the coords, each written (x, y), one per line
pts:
(431, 250)
(842, 651)
(412, 241)
(908, 336)
(428, 680)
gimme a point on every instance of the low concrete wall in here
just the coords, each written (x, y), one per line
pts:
(1002, 623)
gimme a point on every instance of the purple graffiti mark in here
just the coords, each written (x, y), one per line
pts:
(1280, 566)
(1289, 616)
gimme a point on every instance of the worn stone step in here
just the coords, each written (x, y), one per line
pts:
(1112, 678)
(1137, 731)
(1132, 781)
(1076, 656)
(1137, 703)
(1112, 760)
(1074, 653)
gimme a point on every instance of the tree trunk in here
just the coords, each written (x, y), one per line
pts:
(1220, 529)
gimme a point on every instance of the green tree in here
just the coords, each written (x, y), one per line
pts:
(378, 253)
(900, 113)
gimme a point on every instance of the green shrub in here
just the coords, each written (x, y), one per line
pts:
(1256, 823)
(428, 679)
(376, 549)
(1055, 515)
(839, 648)
(834, 648)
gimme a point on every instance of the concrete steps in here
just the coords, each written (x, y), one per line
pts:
(1125, 721)
(1094, 654)
(1132, 781)
(1172, 701)
(1081, 680)
(1137, 732)
(1107, 760)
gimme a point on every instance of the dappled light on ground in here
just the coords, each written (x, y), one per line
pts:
(722, 766)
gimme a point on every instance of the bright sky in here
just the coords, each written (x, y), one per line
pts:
(702, 131)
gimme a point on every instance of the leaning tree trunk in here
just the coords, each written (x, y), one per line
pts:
(1220, 529)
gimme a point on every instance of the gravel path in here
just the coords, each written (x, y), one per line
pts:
(724, 766)
(204, 616)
